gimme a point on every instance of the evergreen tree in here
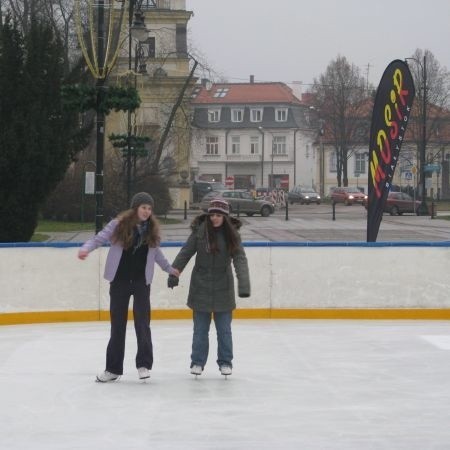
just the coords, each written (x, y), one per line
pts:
(35, 144)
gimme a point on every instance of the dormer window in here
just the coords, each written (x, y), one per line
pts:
(281, 114)
(256, 115)
(237, 115)
(221, 92)
(213, 115)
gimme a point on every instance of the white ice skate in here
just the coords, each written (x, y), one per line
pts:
(225, 370)
(144, 373)
(106, 377)
(196, 370)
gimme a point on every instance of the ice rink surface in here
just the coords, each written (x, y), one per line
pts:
(296, 385)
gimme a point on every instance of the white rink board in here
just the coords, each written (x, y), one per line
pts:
(34, 279)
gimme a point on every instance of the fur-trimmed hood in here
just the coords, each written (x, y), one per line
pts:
(202, 217)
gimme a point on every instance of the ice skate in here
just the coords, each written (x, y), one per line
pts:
(144, 373)
(106, 377)
(196, 370)
(225, 370)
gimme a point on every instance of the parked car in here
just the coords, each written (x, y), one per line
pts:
(302, 195)
(399, 203)
(348, 196)
(201, 188)
(242, 200)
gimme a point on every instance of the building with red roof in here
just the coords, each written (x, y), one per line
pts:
(250, 135)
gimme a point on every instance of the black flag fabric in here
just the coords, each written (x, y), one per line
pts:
(391, 110)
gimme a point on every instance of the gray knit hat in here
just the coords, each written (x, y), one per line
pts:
(142, 198)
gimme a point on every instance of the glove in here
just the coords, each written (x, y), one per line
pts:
(172, 281)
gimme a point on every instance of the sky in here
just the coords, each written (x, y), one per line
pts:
(294, 40)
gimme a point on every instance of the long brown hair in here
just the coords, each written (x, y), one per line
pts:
(124, 232)
(232, 239)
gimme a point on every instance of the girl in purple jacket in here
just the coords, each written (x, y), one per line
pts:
(134, 237)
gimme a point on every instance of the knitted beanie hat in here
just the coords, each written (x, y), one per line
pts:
(219, 206)
(142, 198)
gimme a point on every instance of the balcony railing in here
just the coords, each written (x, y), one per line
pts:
(243, 158)
(155, 4)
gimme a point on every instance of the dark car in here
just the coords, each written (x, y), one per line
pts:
(201, 188)
(303, 195)
(240, 200)
(399, 203)
(348, 196)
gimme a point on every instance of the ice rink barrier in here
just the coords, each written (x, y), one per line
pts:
(42, 282)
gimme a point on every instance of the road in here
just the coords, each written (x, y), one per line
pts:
(310, 223)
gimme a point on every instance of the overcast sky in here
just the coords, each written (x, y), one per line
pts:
(295, 40)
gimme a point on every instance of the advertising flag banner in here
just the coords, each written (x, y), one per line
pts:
(391, 110)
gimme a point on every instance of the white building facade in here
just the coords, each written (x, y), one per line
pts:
(252, 135)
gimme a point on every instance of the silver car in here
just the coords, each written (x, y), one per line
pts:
(240, 200)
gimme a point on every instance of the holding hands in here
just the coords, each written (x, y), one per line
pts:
(172, 281)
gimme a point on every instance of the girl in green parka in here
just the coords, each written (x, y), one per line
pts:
(216, 242)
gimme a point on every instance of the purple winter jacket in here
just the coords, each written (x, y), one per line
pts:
(154, 255)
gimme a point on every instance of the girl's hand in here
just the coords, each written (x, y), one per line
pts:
(176, 272)
(82, 254)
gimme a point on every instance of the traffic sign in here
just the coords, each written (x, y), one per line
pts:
(229, 182)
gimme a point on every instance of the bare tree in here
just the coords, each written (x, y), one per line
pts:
(432, 80)
(59, 13)
(341, 96)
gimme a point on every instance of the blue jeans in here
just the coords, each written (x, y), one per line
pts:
(200, 340)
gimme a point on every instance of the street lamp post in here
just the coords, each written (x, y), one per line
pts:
(100, 133)
(322, 159)
(423, 208)
(261, 130)
(99, 47)
(137, 30)
(84, 185)
(274, 146)
(272, 185)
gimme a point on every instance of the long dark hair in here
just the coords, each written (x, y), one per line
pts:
(124, 232)
(232, 238)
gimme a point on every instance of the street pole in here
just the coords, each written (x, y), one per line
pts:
(322, 163)
(272, 185)
(100, 132)
(261, 130)
(83, 187)
(423, 209)
(130, 23)
(99, 47)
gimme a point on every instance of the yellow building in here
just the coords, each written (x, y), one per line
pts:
(160, 67)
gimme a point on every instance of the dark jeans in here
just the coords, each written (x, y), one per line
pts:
(120, 293)
(200, 340)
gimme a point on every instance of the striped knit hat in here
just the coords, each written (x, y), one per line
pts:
(219, 206)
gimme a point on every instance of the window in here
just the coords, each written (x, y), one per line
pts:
(237, 115)
(279, 145)
(333, 162)
(151, 47)
(221, 92)
(256, 115)
(213, 115)
(360, 163)
(212, 145)
(281, 115)
(254, 145)
(235, 145)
